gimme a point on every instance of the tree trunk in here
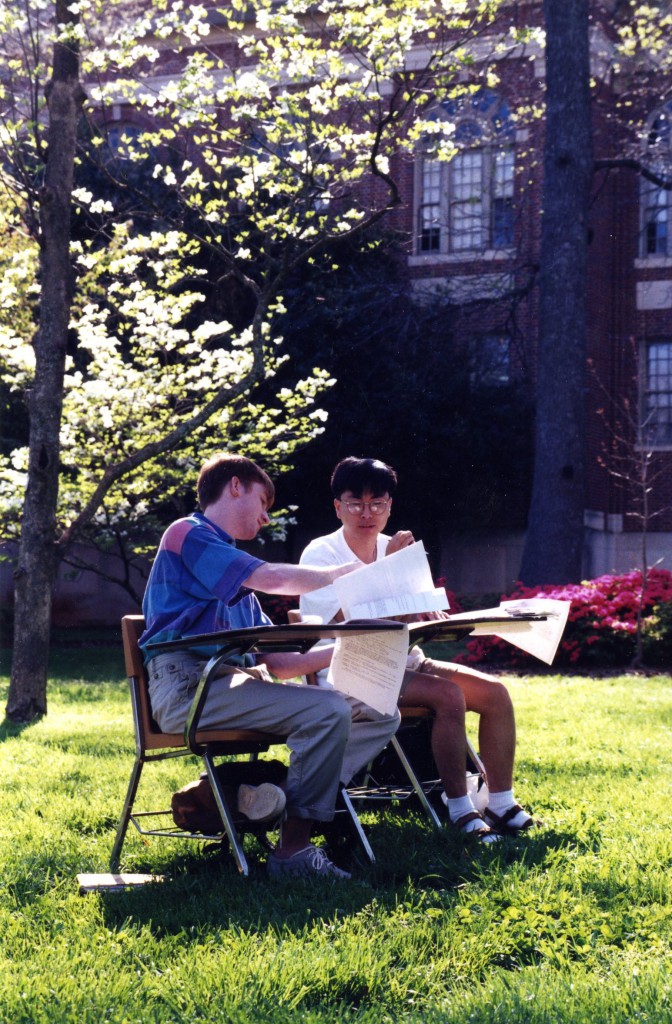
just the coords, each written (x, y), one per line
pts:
(37, 562)
(554, 543)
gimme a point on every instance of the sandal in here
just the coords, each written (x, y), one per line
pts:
(483, 835)
(501, 822)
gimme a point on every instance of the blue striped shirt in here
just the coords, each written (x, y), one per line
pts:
(196, 585)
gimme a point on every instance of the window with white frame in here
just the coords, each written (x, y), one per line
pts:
(656, 205)
(466, 204)
(656, 398)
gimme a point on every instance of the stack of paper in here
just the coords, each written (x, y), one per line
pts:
(372, 667)
(539, 638)
(400, 584)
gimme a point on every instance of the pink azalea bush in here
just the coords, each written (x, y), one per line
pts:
(602, 625)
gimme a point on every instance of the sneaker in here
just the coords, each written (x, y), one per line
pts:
(310, 862)
(261, 803)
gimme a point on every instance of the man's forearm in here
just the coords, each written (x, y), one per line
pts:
(282, 578)
(288, 666)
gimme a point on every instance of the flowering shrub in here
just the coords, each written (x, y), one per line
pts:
(602, 625)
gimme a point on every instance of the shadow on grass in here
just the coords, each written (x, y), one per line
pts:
(9, 730)
(88, 664)
(416, 864)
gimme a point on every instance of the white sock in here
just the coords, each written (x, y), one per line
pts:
(461, 805)
(499, 804)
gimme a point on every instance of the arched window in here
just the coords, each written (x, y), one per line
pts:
(657, 201)
(466, 204)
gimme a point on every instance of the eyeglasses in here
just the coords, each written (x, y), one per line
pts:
(376, 507)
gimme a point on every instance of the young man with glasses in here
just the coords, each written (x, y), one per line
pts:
(363, 491)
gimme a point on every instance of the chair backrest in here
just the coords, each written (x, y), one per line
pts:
(132, 628)
(148, 734)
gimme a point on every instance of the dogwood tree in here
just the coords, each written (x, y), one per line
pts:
(270, 131)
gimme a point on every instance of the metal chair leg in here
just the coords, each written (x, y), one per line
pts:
(223, 807)
(476, 760)
(415, 782)
(357, 825)
(126, 812)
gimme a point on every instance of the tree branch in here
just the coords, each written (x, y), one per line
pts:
(631, 164)
(153, 449)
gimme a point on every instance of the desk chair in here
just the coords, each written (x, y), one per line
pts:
(151, 744)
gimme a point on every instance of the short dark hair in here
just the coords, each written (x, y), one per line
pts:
(360, 475)
(220, 469)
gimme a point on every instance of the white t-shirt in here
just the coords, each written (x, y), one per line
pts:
(333, 549)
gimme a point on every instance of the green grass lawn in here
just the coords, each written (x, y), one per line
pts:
(571, 924)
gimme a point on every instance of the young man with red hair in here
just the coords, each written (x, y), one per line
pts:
(202, 583)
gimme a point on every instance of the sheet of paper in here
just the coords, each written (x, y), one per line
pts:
(371, 667)
(399, 584)
(540, 639)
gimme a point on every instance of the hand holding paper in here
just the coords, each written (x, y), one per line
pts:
(400, 584)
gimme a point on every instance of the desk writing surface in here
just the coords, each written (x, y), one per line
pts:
(449, 630)
(295, 637)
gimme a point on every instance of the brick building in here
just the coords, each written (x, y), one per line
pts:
(474, 226)
(473, 230)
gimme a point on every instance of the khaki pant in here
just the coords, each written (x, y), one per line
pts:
(330, 737)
